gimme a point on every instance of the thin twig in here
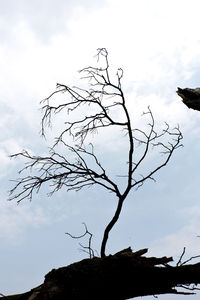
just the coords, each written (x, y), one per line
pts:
(90, 251)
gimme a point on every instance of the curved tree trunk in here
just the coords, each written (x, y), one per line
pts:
(121, 276)
(110, 226)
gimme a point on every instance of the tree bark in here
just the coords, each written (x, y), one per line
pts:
(124, 275)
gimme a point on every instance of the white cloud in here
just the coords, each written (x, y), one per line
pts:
(7, 147)
(187, 236)
(44, 19)
(17, 219)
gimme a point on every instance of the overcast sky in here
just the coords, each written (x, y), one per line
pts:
(43, 42)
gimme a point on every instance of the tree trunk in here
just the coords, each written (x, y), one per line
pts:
(121, 276)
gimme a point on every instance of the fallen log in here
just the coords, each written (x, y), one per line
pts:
(121, 276)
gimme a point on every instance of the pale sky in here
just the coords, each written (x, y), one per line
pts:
(157, 43)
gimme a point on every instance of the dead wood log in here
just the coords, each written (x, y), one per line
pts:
(121, 276)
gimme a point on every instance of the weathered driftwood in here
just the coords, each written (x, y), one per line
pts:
(124, 275)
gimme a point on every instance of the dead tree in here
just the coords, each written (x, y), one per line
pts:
(87, 111)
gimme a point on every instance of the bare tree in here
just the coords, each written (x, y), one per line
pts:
(89, 110)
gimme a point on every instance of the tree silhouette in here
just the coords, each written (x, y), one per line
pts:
(73, 163)
(87, 111)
